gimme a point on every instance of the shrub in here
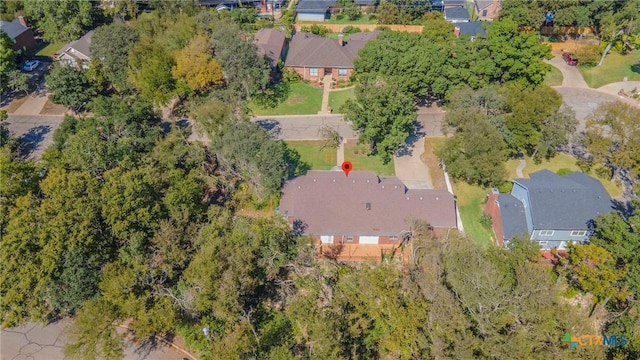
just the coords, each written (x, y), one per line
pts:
(316, 29)
(485, 221)
(588, 54)
(564, 171)
(289, 75)
(350, 30)
(604, 173)
(505, 187)
(584, 165)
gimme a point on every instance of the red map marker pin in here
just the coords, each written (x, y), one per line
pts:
(346, 167)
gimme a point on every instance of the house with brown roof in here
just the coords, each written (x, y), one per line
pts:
(76, 53)
(487, 9)
(272, 44)
(313, 56)
(21, 34)
(362, 215)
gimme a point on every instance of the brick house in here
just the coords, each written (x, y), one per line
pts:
(549, 209)
(272, 44)
(21, 34)
(487, 9)
(362, 215)
(313, 56)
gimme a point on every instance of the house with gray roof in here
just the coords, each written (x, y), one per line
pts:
(487, 9)
(549, 208)
(456, 15)
(271, 43)
(362, 210)
(20, 33)
(473, 28)
(76, 53)
(313, 56)
(314, 10)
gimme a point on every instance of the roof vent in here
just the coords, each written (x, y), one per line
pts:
(354, 181)
(407, 198)
(298, 186)
(383, 186)
(368, 181)
(437, 198)
(334, 180)
(314, 180)
(368, 206)
(420, 197)
(395, 186)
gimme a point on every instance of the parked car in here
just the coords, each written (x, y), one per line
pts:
(30, 65)
(569, 59)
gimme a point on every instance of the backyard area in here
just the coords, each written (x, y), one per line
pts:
(49, 49)
(471, 200)
(313, 154)
(363, 19)
(337, 98)
(357, 154)
(303, 99)
(553, 78)
(615, 68)
(560, 161)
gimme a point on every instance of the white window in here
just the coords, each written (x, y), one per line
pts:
(578, 233)
(546, 232)
(342, 72)
(393, 238)
(313, 71)
(368, 240)
(326, 239)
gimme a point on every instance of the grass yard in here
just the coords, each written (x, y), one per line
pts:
(302, 100)
(560, 161)
(432, 161)
(470, 203)
(357, 154)
(15, 104)
(554, 77)
(311, 153)
(338, 97)
(363, 19)
(50, 49)
(614, 69)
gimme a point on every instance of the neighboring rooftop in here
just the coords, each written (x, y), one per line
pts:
(458, 13)
(473, 28)
(315, 6)
(13, 28)
(269, 43)
(565, 202)
(307, 49)
(459, 3)
(80, 45)
(330, 203)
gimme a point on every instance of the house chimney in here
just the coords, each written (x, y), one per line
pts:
(341, 39)
(22, 21)
(456, 31)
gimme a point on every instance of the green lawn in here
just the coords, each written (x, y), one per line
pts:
(50, 49)
(363, 19)
(554, 77)
(303, 99)
(560, 161)
(339, 97)
(361, 161)
(311, 153)
(470, 203)
(614, 69)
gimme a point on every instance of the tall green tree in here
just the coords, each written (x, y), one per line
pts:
(61, 21)
(110, 45)
(150, 72)
(69, 86)
(384, 115)
(7, 59)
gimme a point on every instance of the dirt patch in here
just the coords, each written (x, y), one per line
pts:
(296, 99)
(15, 104)
(50, 108)
(432, 161)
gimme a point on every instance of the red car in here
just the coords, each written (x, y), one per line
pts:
(569, 59)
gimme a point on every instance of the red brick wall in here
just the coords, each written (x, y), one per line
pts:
(305, 74)
(25, 40)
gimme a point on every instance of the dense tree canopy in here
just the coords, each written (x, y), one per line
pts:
(7, 59)
(61, 21)
(69, 86)
(110, 46)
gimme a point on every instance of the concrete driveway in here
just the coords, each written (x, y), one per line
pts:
(584, 101)
(303, 127)
(571, 76)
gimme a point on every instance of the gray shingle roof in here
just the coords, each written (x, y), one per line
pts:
(483, 4)
(80, 45)
(13, 28)
(309, 50)
(270, 42)
(514, 221)
(565, 202)
(473, 28)
(314, 6)
(457, 14)
(332, 204)
(454, 2)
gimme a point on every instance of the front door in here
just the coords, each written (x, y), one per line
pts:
(328, 71)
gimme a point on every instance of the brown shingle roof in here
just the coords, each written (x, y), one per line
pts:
(270, 42)
(309, 50)
(329, 203)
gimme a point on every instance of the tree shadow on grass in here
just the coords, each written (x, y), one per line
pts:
(636, 68)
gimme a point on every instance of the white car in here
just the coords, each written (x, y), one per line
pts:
(30, 65)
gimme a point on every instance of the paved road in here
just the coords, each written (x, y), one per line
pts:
(584, 101)
(614, 88)
(35, 132)
(36, 342)
(303, 127)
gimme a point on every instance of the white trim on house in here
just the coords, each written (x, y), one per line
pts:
(546, 232)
